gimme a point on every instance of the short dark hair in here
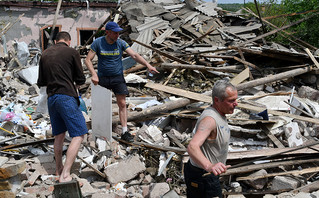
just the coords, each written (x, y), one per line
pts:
(63, 36)
(219, 89)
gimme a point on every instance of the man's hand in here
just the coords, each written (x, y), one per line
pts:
(95, 79)
(218, 168)
(153, 70)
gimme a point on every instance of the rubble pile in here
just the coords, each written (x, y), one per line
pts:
(274, 131)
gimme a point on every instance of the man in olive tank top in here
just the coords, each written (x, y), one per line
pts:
(209, 146)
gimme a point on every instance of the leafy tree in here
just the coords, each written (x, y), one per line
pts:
(308, 30)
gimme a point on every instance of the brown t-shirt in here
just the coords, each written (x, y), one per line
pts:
(59, 68)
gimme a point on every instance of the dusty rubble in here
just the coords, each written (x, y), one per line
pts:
(274, 145)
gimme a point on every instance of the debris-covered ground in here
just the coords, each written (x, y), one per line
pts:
(274, 131)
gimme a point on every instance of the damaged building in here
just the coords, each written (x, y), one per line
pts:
(274, 130)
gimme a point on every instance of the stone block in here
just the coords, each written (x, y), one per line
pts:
(171, 194)
(86, 188)
(104, 195)
(303, 195)
(12, 168)
(124, 170)
(48, 158)
(148, 179)
(159, 189)
(35, 189)
(282, 183)
(258, 183)
(269, 196)
(145, 190)
(100, 185)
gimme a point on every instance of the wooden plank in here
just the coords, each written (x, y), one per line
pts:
(312, 57)
(314, 186)
(273, 138)
(294, 172)
(205, 98)
(175, 140)
(269, 152)
(279, 113)
(254, 167)
(242, 76)
(179, 92)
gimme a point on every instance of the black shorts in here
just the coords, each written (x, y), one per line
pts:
(199, 186)
(115, 83)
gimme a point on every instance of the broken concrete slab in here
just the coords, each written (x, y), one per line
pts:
(158, 189)
(12, 168)
(258, 183)
(283, 182)
(124, 170)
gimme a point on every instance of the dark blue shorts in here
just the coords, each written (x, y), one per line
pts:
(66, 115)
(115, 83)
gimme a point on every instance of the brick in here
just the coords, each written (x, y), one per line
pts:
(145, 190)
(35, 189)
(34, 176)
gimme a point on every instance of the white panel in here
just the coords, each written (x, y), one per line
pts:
(101, 112)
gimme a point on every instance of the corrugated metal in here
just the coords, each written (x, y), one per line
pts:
(153, 23)
(207, 8)
(164, 1)
(190, 17)
(240, 29)
(65, 4)
(145, 37)
(160, 39)
(174, 7)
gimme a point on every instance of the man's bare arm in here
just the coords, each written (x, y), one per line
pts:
(138, 58)
(206, 129)
(89, 64)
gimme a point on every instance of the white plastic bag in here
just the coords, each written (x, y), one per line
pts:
(42, 106)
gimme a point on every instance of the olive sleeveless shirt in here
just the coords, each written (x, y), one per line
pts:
(215, 150)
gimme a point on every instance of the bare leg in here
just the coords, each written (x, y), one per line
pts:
(58, 146)
(70, 157)
(120, 99)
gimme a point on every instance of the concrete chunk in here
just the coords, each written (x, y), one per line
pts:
(124, 170)
(12, 168)
(258, 183)
(3, 160)
(293, 134)
(159, 189)
(282, 182)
